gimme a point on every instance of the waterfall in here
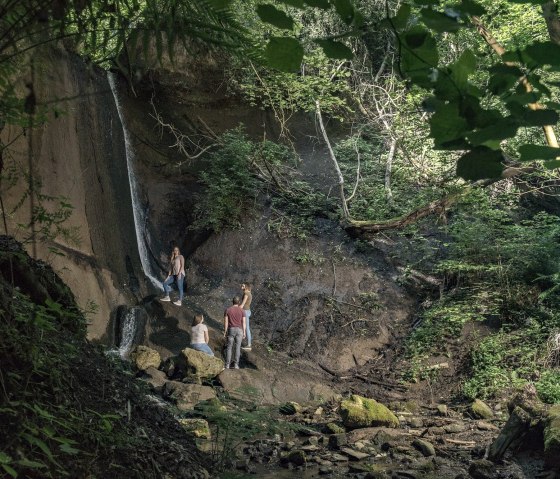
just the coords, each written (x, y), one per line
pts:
(129, 326)
(140, 217)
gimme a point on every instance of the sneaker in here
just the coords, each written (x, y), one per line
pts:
(165, 298)
(177, 303)
(226, 366)
(236, 366)
(246, 348)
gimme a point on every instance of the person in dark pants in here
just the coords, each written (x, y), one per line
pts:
(234, 330)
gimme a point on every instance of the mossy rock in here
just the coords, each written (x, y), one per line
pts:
(290, 408)
(552, 436)
(145, 357)
(362, 412)
(333, 428)
(201, 365)
(481, 410)
(197, 427)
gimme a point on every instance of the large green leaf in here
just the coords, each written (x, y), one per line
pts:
(324, 4)
(335, 50)
(220, 4)
(471, 7)
(345, 10)
(493, 134)
(270, 14)
(419, 55)
(503, 78)
(544, 53)
(539, 117)
(447, 125)
(439, 21)
(538, 152)
(293, 3)
(284, 53)
(400, 20)
(480, 163)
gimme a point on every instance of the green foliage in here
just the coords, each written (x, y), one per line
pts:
(43, 425)
(230, 187)
(309, 257)
(235, 422)
(548, 386)
(241, 170)
(500, 265)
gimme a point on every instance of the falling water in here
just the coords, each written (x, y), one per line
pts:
(128, 332)
(140, 218)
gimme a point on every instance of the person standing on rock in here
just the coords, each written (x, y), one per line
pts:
(199, 336)
(246, 306)
(176, 273)
(234, 330)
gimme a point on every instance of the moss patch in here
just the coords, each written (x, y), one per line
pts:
(362, 412)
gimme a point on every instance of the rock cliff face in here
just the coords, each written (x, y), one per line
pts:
(336, 313)
(78, 154)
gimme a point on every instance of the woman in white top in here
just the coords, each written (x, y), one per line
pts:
(176, 273)
(199, 335)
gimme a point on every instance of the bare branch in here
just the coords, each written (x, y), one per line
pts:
(183, 143)
(345, 212)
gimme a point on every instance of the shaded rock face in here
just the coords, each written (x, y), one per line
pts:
(79, 154)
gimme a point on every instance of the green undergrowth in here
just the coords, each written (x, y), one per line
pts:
(234, 422)
(38, 418)
(66, 409)
(241, 173)
(500, 263)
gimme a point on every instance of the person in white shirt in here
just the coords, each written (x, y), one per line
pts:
(199, 336)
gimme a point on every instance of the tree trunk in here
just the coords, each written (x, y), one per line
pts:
(550, 14)
(345, 212)
(388, 169)
(515, 428)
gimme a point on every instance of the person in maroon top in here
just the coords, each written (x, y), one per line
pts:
(234, 330)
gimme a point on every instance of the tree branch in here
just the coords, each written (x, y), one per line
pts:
(345, 212)
(357, 228)
(493, 43)
(550, 14)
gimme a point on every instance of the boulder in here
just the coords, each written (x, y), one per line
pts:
(481, 410)
(197, 427)
(359, 412)
(482, 469)
(333, 428)
(336, 441)
(155, 378)
(144, 357)
(552, 436)
(290, 408)
(296, 457)
(200, 365)
(186, 396)
(425, 447)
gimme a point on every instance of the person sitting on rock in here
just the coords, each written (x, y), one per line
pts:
(176, 273)
(234, 330)
(199, 335)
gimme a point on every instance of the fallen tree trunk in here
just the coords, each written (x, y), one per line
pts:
(360, 228)
(357, 228)
(514, 430)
